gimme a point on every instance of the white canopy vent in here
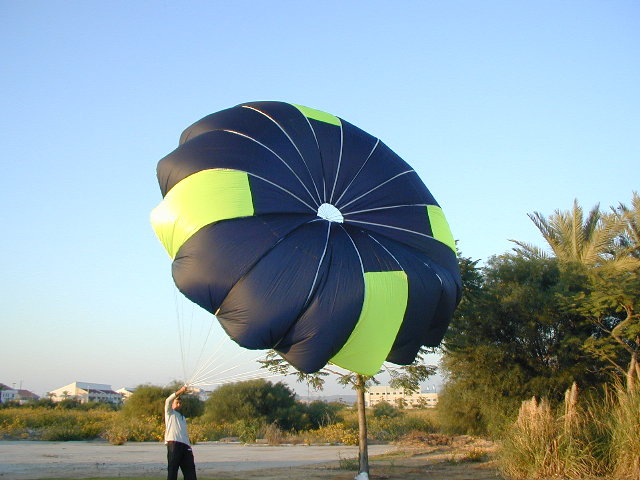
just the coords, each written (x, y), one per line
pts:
(331, 213)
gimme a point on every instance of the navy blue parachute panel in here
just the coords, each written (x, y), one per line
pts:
(333, 307)
(437, 251)
(263, 129)
(404, 219)
(269, 198)
(289, 119)
(226, 150)
(384, 180)
(374, 256)
(357, 146)
(264, 304)
(451, 293)
(240, 243)
(329, 138)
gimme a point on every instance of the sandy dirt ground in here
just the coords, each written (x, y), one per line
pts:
(24, 460)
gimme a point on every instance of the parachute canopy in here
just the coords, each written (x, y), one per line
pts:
(305, 234)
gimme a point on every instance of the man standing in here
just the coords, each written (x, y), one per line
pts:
(179, 453)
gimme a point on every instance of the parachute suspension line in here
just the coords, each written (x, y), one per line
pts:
(388, 207)
(256, 373)
(229, 380)
(250, 375)
(213, 359)
(202, 366)
(386, 250)
(294, 146)
(279, 158)
(213, 371)
(335, 180)
(213, 366)
(324, 252)
(358, 172)
(204, 344)
(356, 249)
(284, 190)
(394, 228)
(324, 183)
(377, 186)
(180, 333)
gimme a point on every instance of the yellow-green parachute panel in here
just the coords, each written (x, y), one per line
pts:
(200, 199)
(305, 234)
(385, 301)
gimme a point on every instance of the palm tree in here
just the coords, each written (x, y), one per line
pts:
(601, 240)
(629, 240)
(590, 241)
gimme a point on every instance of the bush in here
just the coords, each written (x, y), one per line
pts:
(386, 429)
(385, 409)
(334, 434)
(321, 413)
(256, 400)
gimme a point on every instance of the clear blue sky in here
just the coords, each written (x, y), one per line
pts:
(502, 107)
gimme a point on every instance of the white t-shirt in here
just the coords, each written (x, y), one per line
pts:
(176, 425)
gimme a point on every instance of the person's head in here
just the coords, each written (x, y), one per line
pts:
(177, 403)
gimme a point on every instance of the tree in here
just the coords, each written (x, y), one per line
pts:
(512, 337)
(574, 238)
(255, 400)
(407, 377)
(612, 305)
(608, 246)
(627, 243)
(148, 401)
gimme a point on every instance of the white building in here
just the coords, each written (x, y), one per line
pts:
(125, 392)
(8, 394)
(87, 392)
(399, 398)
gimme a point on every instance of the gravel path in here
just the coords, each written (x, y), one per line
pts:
(26, 460)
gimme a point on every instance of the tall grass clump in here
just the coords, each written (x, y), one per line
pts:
(547, 444)
(625, 432)
(599, 439)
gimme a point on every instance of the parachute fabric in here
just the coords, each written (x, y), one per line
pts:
(305, 234)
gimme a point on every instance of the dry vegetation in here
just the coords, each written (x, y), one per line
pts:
(586, 439)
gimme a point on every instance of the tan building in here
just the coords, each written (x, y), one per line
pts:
(87, 392)
(399, 398)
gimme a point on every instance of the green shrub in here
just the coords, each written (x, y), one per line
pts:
(385, 409)
(248, 430)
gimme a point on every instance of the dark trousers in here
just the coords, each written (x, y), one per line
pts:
(180, 455)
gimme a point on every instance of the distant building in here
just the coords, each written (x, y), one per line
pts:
(8, 394)
(342, 399)
(125, 392)
(87, 392)
(399, 398)
(200, 393)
